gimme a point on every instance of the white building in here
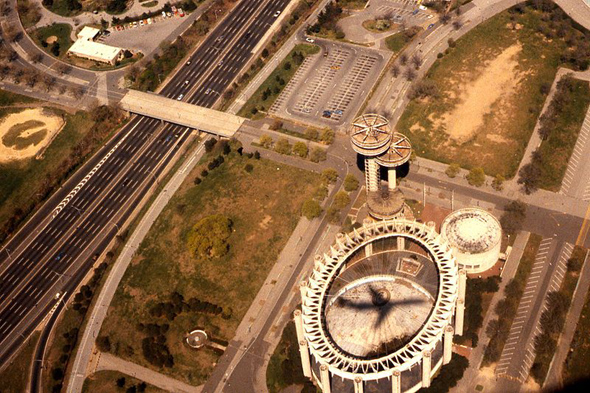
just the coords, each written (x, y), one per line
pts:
(87, 48)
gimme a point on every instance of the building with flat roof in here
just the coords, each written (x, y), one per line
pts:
(85, 47)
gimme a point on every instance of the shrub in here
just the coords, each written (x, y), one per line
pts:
(351, 183)
(300, 149)
(498, 182)
(476, 177)
(276, 124)
(103, 343)
(312, 134)
(311, 209)
(333, 215)
(329, 175)
(208, 238)
(317, 154)
(341, 199)
(197, 181)
(204, 173)
(210, 144)
(283, 146)
(265, 141)
(121, 382)
(321, 193)
(453, 170)
(257, 155)
(249, 168)
(327, 136)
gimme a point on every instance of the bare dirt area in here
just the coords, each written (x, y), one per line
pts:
(27, 133)
(496, 85)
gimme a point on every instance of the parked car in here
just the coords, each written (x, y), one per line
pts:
(180, 97)
(169, 14)
(309, 39)
(276, 15)
(164, 14)
(423, 8)
(149, 21)
(208, 91)
(141, 23)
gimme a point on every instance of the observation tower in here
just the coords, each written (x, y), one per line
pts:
(372, 138)
(378, 309)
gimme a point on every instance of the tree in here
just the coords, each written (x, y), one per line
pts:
(311, 209)
(283, 146)
(513, 217)
(249, 167)
(318, 154)
(312, 134)
(300, 149)
(395, 70)
(410, 74)
(341, 200)
(121, 382)
(209, 237)
(417, 60)
(403, 59)
(321, 193)
(210, 144)
(327, 136)
(498, 182)
(333, 215)
(476, 177)
(351, 183)
(457, 24)
(276, 125)
(529, 176)
(453, 170)
(63, 68)
(265, 141)
(78, 92)
(329, 175)
(445, 18)
(103, 343)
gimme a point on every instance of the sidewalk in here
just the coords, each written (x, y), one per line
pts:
(110, 362)
(473, 375)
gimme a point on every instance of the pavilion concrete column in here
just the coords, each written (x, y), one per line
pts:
(396, 383)
(426, 368)
(358, 385)
(459, 316)
(448, 344)
(369, 249)
(325, 379)
(303, 291)
(305, 359)
(401, 243)
(462, 283)
(391, 179)
(372, 174)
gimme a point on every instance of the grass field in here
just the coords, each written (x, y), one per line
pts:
(397, 42)
(484, 111)
(275, 82)
(263, 205)
(106, 382)
(7, 98)
(567, 121)
(21, 180)
(60, 30)
(14, 377)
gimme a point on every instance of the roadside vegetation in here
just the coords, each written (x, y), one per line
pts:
(327, 22)
(234, 211)
(559, 129)
(114, 381)
(29, 11)
(284, 368)
(16, 375)
(554, 317)
(499, 328)
(271, 88)
(519, 50)
(398, 41)
(26, 184)
(477, 299)
(449, 375)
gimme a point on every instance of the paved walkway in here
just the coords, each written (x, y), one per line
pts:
(99, 311)
(553, 382)
(110, 362)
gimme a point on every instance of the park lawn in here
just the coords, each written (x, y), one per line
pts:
(273, 82)
(557, 149)
(106, 382)
(264, 206)
(398, 41)
(15, 377)
(60, 30)
(21, 180)
(7, 98)
(504, 125)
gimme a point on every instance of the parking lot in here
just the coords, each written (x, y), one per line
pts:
(329, 88)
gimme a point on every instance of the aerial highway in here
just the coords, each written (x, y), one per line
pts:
(53, 251)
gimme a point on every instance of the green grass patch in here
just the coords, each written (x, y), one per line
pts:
(7, 98)
(106, 382)
(14, 377)
(263, 203)
(497, 136)
(270, 89)
(60, 46)
(396, 42)
(499, 328)
(65, 7)
(378, 25)
(563, 124)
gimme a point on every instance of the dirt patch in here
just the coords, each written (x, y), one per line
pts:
(498, 81)
(51, 39)
(265, 221)
(26, 133)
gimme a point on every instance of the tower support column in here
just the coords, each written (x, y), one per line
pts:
(448, 344)
(372, 174)
(369, 250)
(358, 385)
(396, 384)
(426, 369)
(325, 379)
(459, 316)
(391, 179)
(401, 243)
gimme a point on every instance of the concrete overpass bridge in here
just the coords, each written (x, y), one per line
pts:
(181, 113)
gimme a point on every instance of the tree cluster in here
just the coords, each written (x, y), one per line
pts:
(209, 237)
(476, 287)
(176, 305)
(327, 20)
(513, 217)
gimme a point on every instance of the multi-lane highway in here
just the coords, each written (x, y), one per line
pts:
(51, 253)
